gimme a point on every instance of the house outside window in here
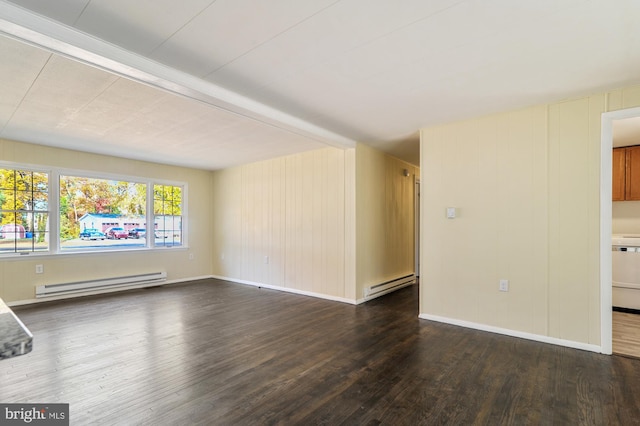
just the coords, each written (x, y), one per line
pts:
(95, 213)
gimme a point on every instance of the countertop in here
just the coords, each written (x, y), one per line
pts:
(15, 338)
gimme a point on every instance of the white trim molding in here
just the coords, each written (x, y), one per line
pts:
(288, 290)
(513, 333)
(606, 270)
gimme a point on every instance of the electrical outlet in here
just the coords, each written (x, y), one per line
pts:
(504, 285)
(190, 256)
(39, 269)
(266, 260)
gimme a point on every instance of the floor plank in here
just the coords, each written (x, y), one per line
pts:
(212, 352)
(626, 334)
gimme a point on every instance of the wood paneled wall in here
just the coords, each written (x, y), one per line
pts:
(331, 222)
(527, 188)
(385, 217)
(574, 219)
(283, 222)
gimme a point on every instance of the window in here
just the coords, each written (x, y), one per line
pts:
(99, 213)
(90, 213)
(167, 213)
(24, 222)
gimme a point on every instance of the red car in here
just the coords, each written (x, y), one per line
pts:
(116, 233)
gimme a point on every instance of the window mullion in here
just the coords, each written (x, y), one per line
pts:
(38, 195)
(150, 217)
(54, 211)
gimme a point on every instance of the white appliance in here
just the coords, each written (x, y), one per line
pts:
(625, 257)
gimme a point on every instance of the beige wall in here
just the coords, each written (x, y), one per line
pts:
(294, 211)
(290, 223)
(17, 274)
(331, 222)
(385, 218)
(527, 186)
(626, 217)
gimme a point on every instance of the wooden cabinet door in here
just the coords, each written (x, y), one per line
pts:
(633, 173)
(619, 172)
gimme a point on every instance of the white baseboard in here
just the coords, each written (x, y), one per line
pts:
(289, 290)
(514, 333)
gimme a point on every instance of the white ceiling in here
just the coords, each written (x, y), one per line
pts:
(245, 80)
(626, 132)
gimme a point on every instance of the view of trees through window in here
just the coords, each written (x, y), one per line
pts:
(167, 211)
(24, 225)
(94, 213)
(109, 213)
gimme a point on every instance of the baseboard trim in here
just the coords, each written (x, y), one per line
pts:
(625, 310)
(514, 333)
(107, 291)
(289, 290)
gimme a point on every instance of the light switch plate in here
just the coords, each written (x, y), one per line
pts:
(451, 212)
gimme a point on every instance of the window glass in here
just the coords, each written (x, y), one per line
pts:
(24, 215)
(94, 213)
(101, 213)
(167, 211)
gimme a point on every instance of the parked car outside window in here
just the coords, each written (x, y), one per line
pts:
(92, 234)
(137, 233)
(116, 233)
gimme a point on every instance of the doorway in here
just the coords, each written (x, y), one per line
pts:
(416, 227)
(609, 120)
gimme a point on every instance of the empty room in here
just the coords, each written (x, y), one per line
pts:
(240, 212)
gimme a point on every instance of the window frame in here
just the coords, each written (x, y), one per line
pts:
(182, 215)
(33, 169)
(53, 209)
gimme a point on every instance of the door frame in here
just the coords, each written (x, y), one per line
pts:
(606, 223)
(416, 226)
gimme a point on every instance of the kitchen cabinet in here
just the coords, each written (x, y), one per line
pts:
(626, 174)
(619, 155)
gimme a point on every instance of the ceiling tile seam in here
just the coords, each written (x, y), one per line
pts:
(270, 39)
(27, 92)
(75, 21)
(451, 76)
(347, 51)
(98, 95)
(273, 83)
(42, 32)
(181, 28)
(253, 115)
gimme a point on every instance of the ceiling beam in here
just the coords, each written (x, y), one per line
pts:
(25, 26)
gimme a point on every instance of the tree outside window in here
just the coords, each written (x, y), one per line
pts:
(167, 210)
(91, 206)
(93, 213)
(24, 215)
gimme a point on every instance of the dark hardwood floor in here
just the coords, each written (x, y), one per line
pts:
(216, 353)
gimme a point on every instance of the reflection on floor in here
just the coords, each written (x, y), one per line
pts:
(626, 334)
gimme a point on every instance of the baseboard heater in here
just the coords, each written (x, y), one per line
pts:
(389, 285)
(49, 290)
